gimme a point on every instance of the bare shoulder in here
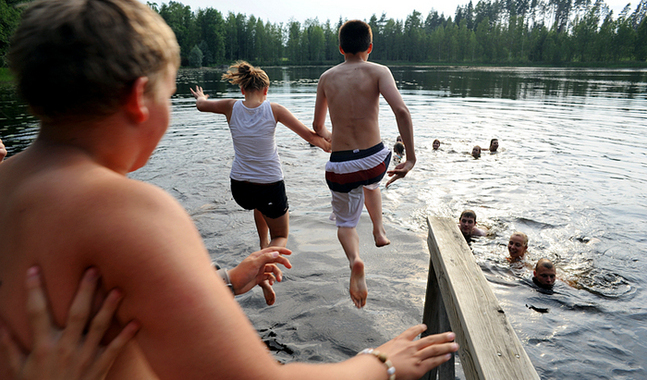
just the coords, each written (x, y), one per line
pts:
(377, 67)
(277, 108)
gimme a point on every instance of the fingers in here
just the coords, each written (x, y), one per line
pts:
(274, 271)
(437, 354)
(412, 332)
(280, 250)
(81, 307)
(37, 312)
(11, 351)
(274, 255)
(431, 340)
(432, 362)
(104, 362)
(102, 320)
(434, 350)
(272, 274)
(198, 92)
(393, 179)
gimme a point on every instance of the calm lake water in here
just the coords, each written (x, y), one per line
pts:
(571, 173)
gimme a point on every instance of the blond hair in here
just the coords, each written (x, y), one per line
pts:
(247, 76)
(523, 236)
(81, 57)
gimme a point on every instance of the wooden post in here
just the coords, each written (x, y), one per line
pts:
(489, 347)
(435, 317)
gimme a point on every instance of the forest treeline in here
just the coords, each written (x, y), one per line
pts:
(490, 32)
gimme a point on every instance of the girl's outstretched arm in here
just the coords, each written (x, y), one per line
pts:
(221, 106)
(287, 118)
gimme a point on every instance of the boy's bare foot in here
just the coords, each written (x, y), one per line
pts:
(380, 238)
(268, 292)
(358, 291)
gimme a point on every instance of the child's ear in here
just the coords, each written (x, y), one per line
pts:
(341, 50)
(370, 49)
(135, 101)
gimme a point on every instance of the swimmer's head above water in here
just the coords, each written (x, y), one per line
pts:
(544, 274)
(517, 246)
(476, 151)
(494, 145)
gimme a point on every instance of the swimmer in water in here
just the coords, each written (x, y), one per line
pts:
(467, 225)
(517, 246)
(494, 145)
(436, 144)
(476, 152)
(544, 274)
(398, 152)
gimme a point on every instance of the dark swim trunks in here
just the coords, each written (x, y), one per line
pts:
(270, 199)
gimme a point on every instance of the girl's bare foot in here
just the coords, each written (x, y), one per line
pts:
(380, 238)
(358, 291)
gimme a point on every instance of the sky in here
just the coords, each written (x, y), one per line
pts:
(276, 11)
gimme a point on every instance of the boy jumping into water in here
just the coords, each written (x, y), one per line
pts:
(351, 92)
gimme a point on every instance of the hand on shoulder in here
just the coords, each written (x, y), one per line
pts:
(69, 353)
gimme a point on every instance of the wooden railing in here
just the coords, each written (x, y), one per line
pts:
(459, 298)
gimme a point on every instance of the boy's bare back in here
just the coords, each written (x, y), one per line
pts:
(351, 91)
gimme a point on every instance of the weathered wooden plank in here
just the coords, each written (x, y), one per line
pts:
(490, 349)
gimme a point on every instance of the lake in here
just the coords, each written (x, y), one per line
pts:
(571, 172)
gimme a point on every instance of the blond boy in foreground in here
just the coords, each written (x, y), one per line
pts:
(99, 75)
(351, 92)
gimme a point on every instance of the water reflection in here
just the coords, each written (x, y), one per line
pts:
(544, 84)
(17, 126)
(519, 83)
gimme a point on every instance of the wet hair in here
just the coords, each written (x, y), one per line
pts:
(523, 236)
(398, 148)
(81, 57)
(247, 76)
(544, 263)
(355, 36)
(468, 214)
(493, 140)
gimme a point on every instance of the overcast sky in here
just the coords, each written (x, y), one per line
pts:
(277, 11)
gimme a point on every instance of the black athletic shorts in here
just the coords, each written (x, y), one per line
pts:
(269, 198)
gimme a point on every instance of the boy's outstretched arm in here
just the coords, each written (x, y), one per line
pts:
(390, 92)
(287, 118)
(321, 108)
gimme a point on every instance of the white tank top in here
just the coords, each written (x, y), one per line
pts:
(252, 131)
